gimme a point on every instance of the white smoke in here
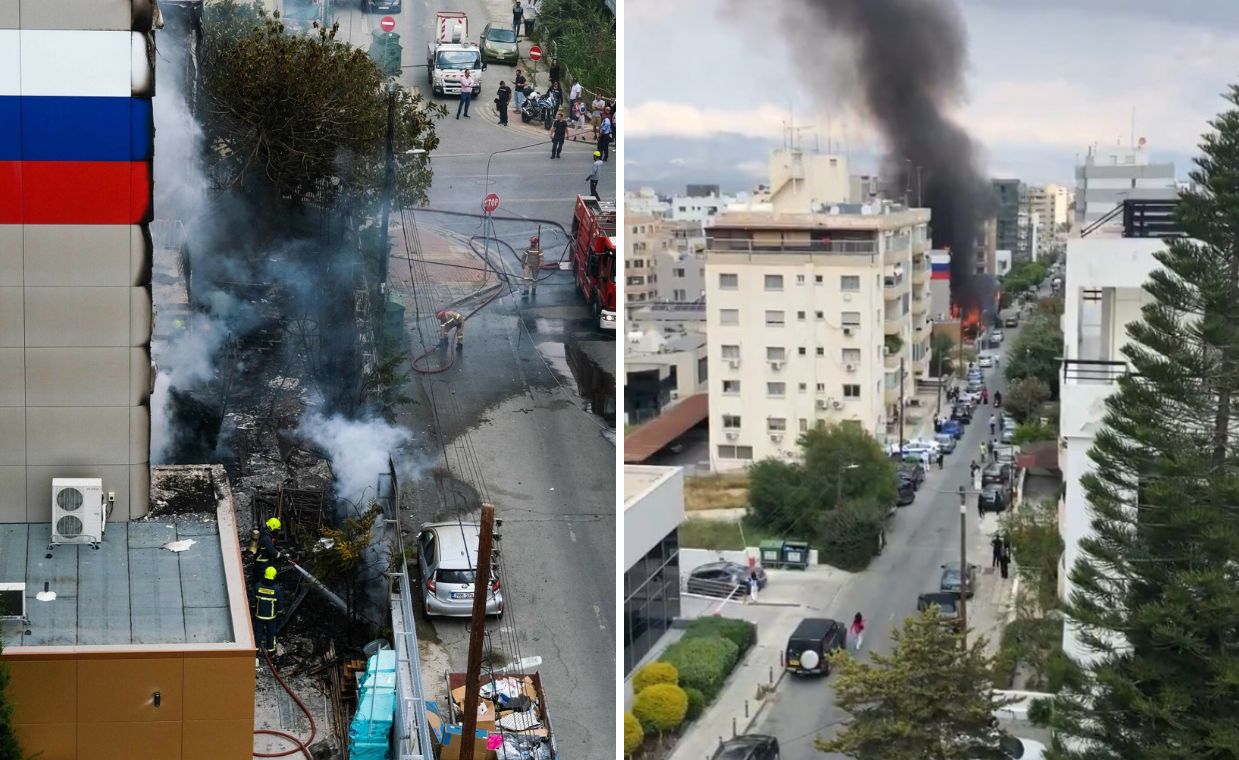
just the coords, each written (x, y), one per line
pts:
(358, 449)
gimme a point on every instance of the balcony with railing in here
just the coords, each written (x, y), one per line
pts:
(812, 247)
(920, 271)
(1086, 383)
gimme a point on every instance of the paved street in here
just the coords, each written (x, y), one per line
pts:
(505, 417)
(921, 537)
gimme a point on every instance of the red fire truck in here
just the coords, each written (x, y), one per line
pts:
(593, 257)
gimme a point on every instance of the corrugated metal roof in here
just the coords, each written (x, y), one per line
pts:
(656, 434)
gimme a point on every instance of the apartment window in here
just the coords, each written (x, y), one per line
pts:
(800, 279)
(735, 452)
(776, 390)
(679, 295)
(775, 353)
(803, 387)
(851, 355)
(731, 352)
(731, 421)
(849, 282)
(819, 315)
(804, 425)
(636, 280)
(776, 424)
(731, 387)
(774, 282)
(729, 316)
(819, 279)
(637, 263)
(800, 316)
(821, 387)
(851, 391)
(677, 273)
(821, 351)
(729, 282)
(850, 318)
(703, 370)
(774, 319)
(802, 351)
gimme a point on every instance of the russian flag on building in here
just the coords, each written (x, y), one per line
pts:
(75, 144)
(940, 266)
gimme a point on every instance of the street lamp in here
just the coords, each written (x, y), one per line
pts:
(839, 483)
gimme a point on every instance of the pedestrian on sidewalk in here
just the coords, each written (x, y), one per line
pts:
(595, 175)
(972, 469)
(578, 113)
(575, 92)
(856, 632)
(466, 93)
(941, 459)
(559, 131)
(518, 86)
(554, 70)
(504, 95)
(980, 508)
(996, 545)
(992, 423)
(984, 452)
(1004, 563)
(595, 114)
(604, 135)
(753, 585)
(518, 13)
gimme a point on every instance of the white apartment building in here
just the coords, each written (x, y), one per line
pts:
(801, 179)
(1103, 293)
(643, 244)
(1110, 175)
(1061, 200)
(663, 260)
(702, 210)
(808, 319)
(646, 202)
(660, 371)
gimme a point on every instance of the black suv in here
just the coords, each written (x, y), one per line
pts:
(748, 747)
(905, 493)
(948, 607)
(810, 645)
(997, 474)
(993, 498)
(962, 412)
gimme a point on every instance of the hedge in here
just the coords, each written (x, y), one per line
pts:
(739, 632)
(703, 663)
(654, 673)
(696, 703)
(633, 734)
(660, 707)
(851, 536)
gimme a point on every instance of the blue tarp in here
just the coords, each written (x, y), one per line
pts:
(370, 732)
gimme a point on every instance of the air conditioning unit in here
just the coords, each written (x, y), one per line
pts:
(837, 404)
(847, 331)
(734, 363)
(776, 437)
(730, 435)
(776, 365)
(851, 368)
(821, 403)
(78, 511)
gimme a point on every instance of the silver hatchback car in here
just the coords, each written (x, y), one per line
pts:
(447, 557)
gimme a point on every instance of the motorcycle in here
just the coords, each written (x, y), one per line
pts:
(532, 108)
(997, 400)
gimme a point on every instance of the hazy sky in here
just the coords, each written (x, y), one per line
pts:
(709, 84)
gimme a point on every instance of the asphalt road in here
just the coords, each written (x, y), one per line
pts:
(506, 416)
(921, 537)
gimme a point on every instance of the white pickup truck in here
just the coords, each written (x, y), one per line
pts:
(450, 56)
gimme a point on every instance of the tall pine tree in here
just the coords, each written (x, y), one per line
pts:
(1157, 587)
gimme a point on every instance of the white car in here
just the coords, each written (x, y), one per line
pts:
(985, 362)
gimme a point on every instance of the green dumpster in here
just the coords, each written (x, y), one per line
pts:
(796, 555)
(771, 553)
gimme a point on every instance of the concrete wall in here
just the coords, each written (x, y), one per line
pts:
(653, 507)
(101, 706)
(75, 258)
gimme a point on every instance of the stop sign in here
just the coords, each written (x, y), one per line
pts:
(387, 24)
(535, 53)
(490, 203)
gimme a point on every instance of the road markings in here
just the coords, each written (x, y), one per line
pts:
(571, 533)
(598, 614)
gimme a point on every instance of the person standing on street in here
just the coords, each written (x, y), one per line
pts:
(559, 131)
(531, 267)
(856, 632)
(596, 113)
(992, 423)
(466, 93)
(1004, 562)
(753, 585)
(941, 459)
(996, 545)
(984, 452)
(980, 508)
(972, 469)
(575, 92)
(518, 85)
(554, 71)
(604, 135)
(595, 175)
(503, 96)
(518, 13)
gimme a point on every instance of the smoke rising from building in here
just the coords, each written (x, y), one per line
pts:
(908, 65)
(358, 449)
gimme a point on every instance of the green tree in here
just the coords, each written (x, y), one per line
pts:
(847, 460)
(582, 34)
(1155, 598)
(1025, 397)
(9, 749)
(929, 699)
(778, 497)
(943, 350)
(305, 115)
(1036, 353)
(1023, 276)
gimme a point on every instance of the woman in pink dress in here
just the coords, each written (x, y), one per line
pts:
(857, 631)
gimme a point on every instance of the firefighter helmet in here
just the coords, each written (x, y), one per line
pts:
(273, 523)
(269, 573)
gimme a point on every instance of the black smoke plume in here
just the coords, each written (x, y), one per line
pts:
(909, 65)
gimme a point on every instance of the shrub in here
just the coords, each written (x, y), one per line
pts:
(654, 673)
(703, 663)
(739, 632)
(851, 536)
(661, 707)
(696, 704)
(634, 734)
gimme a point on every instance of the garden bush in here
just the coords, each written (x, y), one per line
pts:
(739, 632)
(696, 704)
(660, 707)
(654, 673)
(703, 663)
(633, 734)
(851, 536)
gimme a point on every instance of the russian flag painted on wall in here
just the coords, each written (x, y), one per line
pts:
(940, 266)
(75, 145)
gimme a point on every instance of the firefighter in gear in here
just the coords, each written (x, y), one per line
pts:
(447, 321)
(268, 606)
(532, 268)
(268, 553)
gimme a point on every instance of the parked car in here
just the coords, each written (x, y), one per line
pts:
(447, 557)
(950, 580)
(954, 428)
(995, 472)
(914, 470)
(961, 413)
(947, 604)
(993, 498)
(905, 493)
(946, 441)
(748, 747)
(1017, 748)
(1008, 435)
(811, 644)
(1012, 321)
(498, 44)
(985, 362)
(1005, 455)
(723, 579)
(997, 337)
(380, 6)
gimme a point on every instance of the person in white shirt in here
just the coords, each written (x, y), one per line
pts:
(575, 92)
(466, 93)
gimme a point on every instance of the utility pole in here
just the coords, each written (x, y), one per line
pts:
(477, 632)
(963, 567)
(941, 380)
(901, 406)
(389, 180)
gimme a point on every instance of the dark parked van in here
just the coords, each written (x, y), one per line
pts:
(811, 644)
(748, 747)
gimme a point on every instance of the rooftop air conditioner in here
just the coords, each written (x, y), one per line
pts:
(78, 510)
(734, 364)
(776, 365)
(731, 435)
(851, 368)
